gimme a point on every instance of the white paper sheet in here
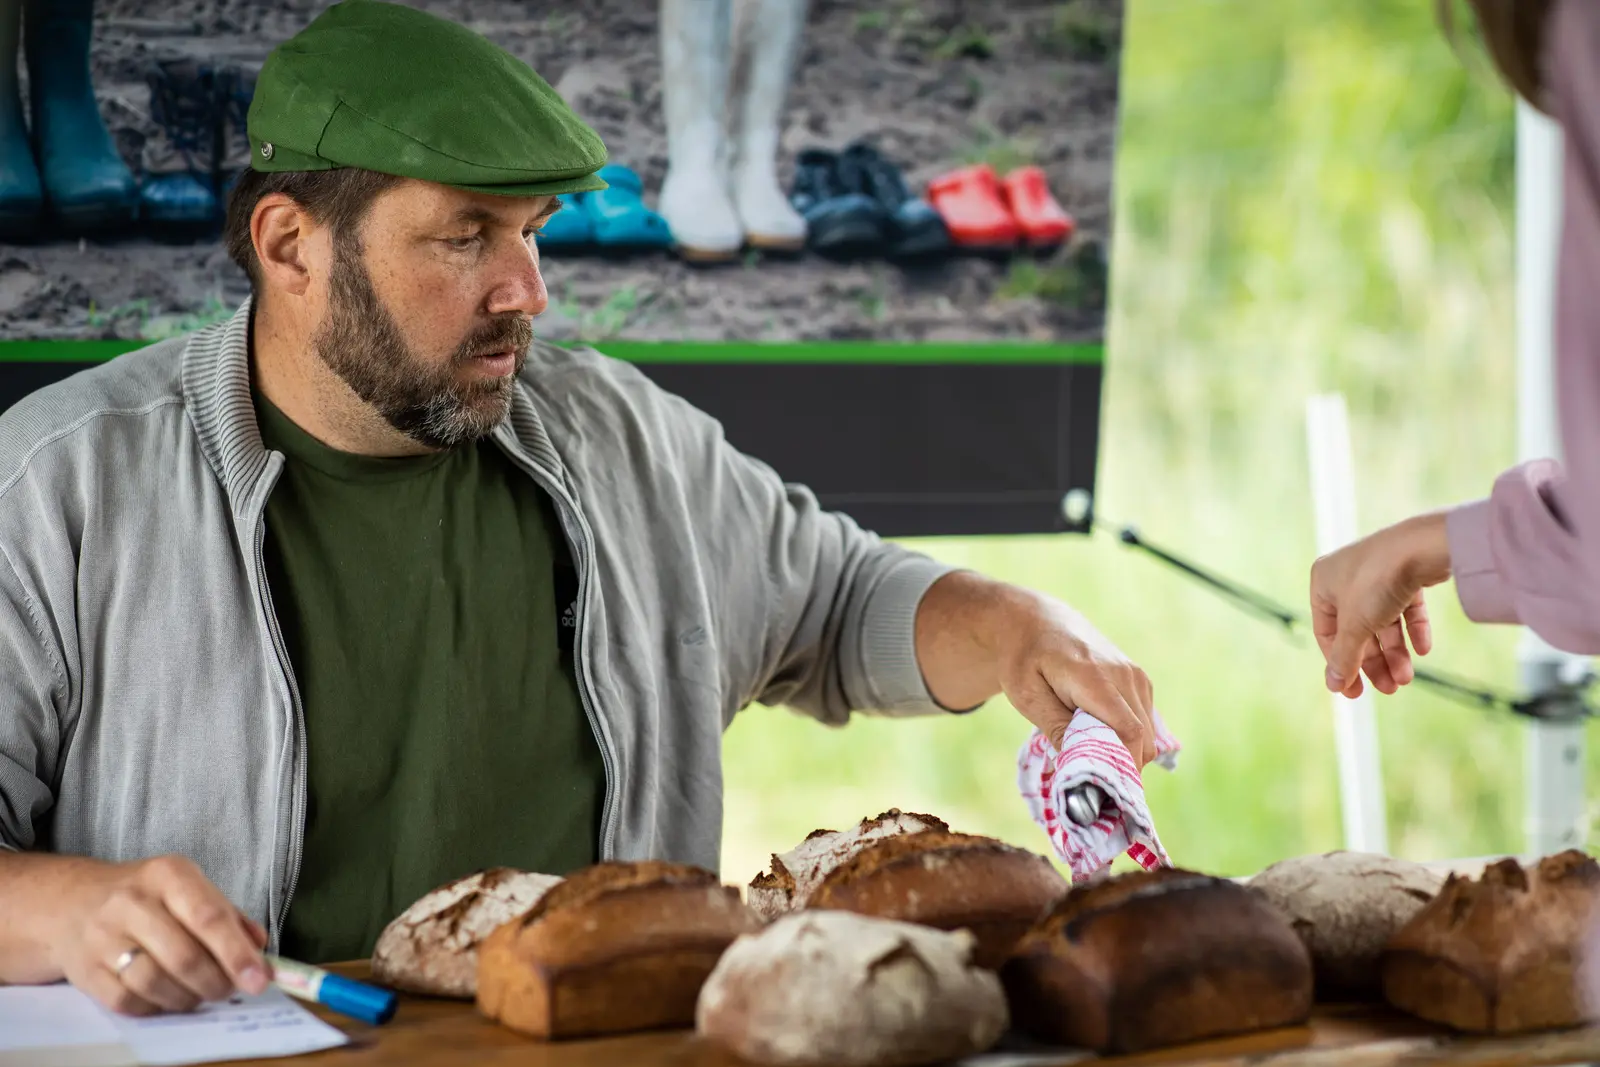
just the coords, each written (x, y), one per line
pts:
(59, 1026)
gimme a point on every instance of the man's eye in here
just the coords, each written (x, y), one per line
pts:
(461, 244)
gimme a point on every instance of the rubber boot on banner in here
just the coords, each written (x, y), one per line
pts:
(769, 37)
(177, 196)
(88, 186)
(21, 195)
(695, 200)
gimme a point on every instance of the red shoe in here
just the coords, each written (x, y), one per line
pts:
(973, 206)
(1044, 222)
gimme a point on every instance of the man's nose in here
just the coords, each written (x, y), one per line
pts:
(521, 287)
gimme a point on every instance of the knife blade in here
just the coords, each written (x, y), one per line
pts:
(1084, 803)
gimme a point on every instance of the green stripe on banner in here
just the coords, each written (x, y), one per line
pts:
(865, 352)
(64, 351)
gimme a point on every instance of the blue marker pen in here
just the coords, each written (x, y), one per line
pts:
(369, 1003)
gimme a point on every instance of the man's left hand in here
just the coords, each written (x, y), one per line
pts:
(1057, 662)
(977, 636)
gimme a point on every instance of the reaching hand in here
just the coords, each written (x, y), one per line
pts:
(1366, 601)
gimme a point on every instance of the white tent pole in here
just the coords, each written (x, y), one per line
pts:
(1553, 751)
(1355, 729)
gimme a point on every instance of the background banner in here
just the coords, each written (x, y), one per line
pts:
(925, 350)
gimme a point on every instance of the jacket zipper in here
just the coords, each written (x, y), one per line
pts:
(578, 536)
(297, 756)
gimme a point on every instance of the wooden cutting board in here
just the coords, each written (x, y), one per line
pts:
(426, 1032)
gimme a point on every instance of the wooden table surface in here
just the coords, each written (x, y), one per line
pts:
(426, 1032)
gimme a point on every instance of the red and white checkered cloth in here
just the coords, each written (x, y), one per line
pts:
(1093, 754)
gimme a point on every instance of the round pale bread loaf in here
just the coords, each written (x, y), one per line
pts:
(1346, 906)
(432, 946)
(834, 987)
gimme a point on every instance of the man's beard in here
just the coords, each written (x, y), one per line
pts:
(360, 341)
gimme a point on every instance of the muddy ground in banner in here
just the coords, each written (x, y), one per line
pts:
(934, 83)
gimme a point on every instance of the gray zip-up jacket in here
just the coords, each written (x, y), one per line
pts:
(146, 702)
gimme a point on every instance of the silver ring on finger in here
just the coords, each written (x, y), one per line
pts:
(125, 960)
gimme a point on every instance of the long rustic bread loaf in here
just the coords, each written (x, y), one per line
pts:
(832, 987)
(1156, 958)
(1346, 906)
(1500, 953)
(948, 881)
(432, 946)
(616, 947)
(788, 884)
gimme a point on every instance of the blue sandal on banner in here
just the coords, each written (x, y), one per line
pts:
(569, 228)
(621, 219)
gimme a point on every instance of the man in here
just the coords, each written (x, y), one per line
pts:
(365, 589)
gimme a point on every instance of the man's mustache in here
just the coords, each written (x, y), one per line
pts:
(497, 335)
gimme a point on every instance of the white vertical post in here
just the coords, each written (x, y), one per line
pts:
(1554, 751)
(1355, 729)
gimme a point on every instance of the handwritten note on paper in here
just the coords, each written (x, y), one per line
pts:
(242, 1028)
(59, 1026)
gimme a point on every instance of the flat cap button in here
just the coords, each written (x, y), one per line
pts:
(266, 150)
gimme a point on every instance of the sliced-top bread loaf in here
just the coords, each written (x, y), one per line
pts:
(949, 881)
(618, 946)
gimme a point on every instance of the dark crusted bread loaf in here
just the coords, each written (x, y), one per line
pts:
(616, 947)
(948, 881)
(1157, 958)
(1346, 906)
(432, 946)
(788, 884)
(1500, 953)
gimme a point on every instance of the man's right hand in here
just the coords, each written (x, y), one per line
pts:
(188, 943)
(1367, 601)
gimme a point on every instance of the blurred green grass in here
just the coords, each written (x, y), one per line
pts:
(1311, 196)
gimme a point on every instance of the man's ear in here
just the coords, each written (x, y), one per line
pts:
(280, 229)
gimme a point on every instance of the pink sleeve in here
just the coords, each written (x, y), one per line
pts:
(1515, 561)
(1530, 552)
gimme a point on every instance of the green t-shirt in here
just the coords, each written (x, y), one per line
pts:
(420, 601)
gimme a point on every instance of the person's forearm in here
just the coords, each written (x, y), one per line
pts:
(962, 622)
(36, 891)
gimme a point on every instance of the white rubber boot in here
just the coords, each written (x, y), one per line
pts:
(695, 55)
(769, 37)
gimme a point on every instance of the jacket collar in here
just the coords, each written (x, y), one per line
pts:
(216, 390)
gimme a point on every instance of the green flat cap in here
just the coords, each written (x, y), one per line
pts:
(392, 89)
